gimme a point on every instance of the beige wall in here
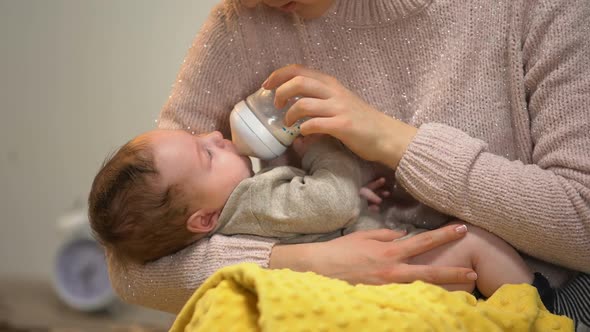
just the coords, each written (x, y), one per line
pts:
(77, 79)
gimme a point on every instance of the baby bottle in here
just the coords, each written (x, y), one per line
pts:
(257, 127)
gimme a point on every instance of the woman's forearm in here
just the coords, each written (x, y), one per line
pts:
(538, 211)
(292, 256)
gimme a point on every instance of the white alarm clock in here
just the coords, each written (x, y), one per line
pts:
(80, 272)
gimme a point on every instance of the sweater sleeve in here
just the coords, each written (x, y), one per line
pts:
(167, 283)
(543, 208)
(210, 82)
(323, 199)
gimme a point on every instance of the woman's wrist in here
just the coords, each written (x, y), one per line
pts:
(395, 142)
(291, 256)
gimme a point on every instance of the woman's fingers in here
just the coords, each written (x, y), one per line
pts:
(426, 241)
(309, 107)
(300, 86)
(382, 235)
(284, 74)
(321, 125)
(433, 274)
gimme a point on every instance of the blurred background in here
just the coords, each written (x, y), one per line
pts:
(77, 79)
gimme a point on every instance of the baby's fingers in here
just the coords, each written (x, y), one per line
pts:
(375, 184)
(374, 208)
(370, 195)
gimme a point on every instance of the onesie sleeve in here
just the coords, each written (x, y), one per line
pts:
(322, 198)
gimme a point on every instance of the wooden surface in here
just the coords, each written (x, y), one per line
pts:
(33, 306)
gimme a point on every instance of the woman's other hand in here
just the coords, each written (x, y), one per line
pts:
(339, 112)
(372, 257)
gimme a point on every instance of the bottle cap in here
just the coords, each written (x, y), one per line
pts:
(251, 136)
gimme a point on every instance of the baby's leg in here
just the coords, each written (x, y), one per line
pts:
(495, 261)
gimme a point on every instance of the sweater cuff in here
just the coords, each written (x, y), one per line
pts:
(435, 168)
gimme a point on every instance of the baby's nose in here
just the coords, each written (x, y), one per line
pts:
(216, 137)
(216, 134)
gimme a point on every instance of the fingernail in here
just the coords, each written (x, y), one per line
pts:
(472, 276)
(265, 83)
(461, 229)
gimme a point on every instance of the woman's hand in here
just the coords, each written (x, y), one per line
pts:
(372, 257)
(338, 112)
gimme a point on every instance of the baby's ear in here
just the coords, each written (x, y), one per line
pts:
(202, 221)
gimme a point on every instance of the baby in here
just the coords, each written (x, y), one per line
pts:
(166, 189)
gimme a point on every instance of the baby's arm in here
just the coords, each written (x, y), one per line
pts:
(495, 261)
(321, 198)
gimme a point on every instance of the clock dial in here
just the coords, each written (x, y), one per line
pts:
(82, 276)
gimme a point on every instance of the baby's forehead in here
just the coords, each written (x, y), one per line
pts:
(157, 136)
(143, 138)
(153, 134)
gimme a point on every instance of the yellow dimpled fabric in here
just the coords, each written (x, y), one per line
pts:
(246, 297)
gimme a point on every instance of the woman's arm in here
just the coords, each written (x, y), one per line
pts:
(372, 257)
(167, 283)
(363, 257)
(542, 208)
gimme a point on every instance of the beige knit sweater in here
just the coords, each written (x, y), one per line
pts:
(500, 91)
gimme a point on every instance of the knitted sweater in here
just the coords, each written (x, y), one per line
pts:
(500, 92)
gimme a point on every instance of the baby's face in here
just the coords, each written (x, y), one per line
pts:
(208, 167)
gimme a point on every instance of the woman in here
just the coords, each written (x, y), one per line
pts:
(481, 108)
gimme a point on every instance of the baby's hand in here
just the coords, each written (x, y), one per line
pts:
(302, 143)
(374, 193)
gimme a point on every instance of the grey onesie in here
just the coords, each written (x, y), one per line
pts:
(316, 203)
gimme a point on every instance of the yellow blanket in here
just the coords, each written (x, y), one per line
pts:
(246, 297)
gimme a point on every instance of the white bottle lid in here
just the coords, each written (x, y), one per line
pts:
(250, 135)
